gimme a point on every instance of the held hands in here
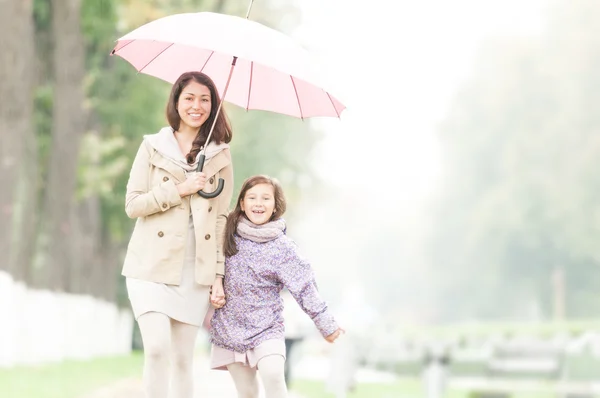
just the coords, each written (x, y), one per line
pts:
(195, 181)
(333, 336)
(217, 294)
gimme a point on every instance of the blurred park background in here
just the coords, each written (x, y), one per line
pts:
(451, 214)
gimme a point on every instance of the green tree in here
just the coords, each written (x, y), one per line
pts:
(521, 193)
(89, 116)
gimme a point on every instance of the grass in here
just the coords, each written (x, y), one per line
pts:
(72, 379)
(68, 379)
(400, 389)
(405, 388)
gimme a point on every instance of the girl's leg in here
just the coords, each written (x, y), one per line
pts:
(155, 329)
(183, 337)
(244, 379)
(271, 369)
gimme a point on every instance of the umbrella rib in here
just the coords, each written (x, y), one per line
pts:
(297, 97)
(206, 62)
(332, 104)
(250, 85)
(120, 48)
(156, 56)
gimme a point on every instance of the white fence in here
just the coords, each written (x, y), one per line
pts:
(39, 326)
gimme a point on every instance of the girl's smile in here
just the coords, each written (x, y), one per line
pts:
(258, 203)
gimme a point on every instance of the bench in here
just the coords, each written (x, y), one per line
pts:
(525, 366)
(498, 367)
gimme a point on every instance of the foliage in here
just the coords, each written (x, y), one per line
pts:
(520, 200)
(483, 330)
(124, 106)
(273, 144)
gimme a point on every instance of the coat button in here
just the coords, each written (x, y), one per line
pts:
(210, 209)
(207, 236)
(211, 180)
(161, 234)
(165, 179)
(164, 205)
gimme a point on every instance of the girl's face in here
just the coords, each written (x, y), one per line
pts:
(259, 203)
(194, 105)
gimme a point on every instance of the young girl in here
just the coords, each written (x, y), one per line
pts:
(248, 332)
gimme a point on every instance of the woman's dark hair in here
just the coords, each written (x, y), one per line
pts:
(229, 246)
(222, 132)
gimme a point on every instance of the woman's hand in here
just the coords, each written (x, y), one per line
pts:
(217, 293)
(195, 181)
(333, 336)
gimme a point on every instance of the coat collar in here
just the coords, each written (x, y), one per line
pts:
(211, 167)
(217, 163)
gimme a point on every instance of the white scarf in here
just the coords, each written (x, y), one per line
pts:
(166, 144)
(260, 233)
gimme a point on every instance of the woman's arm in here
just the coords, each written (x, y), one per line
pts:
(141, 200)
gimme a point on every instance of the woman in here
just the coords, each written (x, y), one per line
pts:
(175, 255)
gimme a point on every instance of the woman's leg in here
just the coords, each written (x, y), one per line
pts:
(271, 370)
(183, 338)
(156, 332)
(244, 379)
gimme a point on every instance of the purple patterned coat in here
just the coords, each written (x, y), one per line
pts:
(254, 278)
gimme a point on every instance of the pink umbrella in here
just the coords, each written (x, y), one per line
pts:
(253, 66)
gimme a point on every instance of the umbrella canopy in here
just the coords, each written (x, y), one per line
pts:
(272, 72)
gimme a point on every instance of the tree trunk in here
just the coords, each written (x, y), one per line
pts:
(26, 235)
(87, 251)
(16, 108)
(220, 6)
(111, 268)
(68, 124)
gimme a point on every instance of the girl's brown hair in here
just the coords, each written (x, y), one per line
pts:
(229, 246)
(222, 132)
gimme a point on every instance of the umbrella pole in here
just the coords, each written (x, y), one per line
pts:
(201, 161)
(203, 151)
(249, 8)
(202, 156)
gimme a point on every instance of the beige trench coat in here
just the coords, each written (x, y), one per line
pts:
(157, 246)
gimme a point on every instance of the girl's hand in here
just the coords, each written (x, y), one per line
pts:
(195, 181)
(333, 336)
(217, 293)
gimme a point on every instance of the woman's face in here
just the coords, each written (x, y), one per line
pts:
(194, 105)
(259, 203)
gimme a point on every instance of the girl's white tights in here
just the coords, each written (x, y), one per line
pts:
(168, 345)
(271, 370)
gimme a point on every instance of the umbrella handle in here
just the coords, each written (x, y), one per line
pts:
(219, 189)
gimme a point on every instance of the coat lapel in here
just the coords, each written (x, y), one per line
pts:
(159, 161)
(217, 163)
